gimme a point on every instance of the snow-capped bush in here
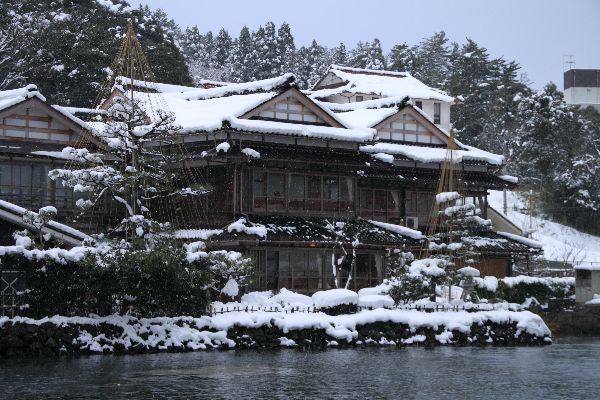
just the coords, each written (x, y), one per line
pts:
(336, 301)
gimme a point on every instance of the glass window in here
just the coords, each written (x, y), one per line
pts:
(437, 112)
(275, 191)
(296, 192)
(424, 205)
(272, 272)
(313, 192)
(393, 201)
(330, 193)
(379, 200)
(366, 199)
(410, 204)
(419, 104)
(259, 188)
(346, 194)
(285, 276)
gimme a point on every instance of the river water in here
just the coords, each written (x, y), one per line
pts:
(568, 369)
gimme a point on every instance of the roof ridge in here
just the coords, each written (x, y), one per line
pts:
(366, 71)
(279, 83)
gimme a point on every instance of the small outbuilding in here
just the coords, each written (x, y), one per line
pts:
(587, 283)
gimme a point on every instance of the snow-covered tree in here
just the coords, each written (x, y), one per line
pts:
(339, 55)
(312, 64)
(141, 176)
(286, 49)
(243, 63)
(433, 60)
(65, 46)
(402, 58)
(368, 55)
(222, 49)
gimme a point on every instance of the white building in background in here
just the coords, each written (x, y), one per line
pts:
(349, 85)
(582, 87)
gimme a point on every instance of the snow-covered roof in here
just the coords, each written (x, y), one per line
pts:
(380, 83)
(433, 154)
(14, 213)
(9, 98)
(153, 86)
(206, 110)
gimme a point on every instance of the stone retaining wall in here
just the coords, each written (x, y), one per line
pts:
(23, 338)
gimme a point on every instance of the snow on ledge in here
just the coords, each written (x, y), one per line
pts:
(521, 239)
(433, 154)
(253, 229)
(402, 230)
(509, 178)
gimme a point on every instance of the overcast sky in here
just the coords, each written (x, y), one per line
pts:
(535, 33)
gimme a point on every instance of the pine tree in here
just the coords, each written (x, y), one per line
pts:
(375, 59)
(402, 58)
(339, 55)
(359, 55)
(266, 52)
(140, 177)
(312, 65)
(191, 43)
(243, 62)
(73, 42)
(222, 49)
(286, 49)
(432, 62)
(207, 53)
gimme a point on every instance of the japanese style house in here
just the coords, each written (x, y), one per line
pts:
(297, 177)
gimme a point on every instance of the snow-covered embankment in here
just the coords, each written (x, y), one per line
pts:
(125, 334)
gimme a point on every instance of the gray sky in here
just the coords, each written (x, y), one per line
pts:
(535, 33)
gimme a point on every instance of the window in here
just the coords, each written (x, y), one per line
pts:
(346, 194)
(313, 184)
(28, 185)
(330, 193)
(359, 98)
(296, 192)
(380, 204)
(368, 271)
(259, 188)
(419, 104)
(299, 270)
(275, 191)
(437, 112)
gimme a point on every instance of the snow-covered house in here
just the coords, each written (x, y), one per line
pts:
(343, 85)
(32, 136)
(296, 180)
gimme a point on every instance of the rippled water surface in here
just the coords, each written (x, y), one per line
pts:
(569, 369)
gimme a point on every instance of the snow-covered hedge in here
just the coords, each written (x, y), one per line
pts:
(518, 289)
(163, 278)
(336, 301)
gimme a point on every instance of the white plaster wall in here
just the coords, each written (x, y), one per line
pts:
(582, 95)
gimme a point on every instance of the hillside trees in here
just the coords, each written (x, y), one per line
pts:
(74, 43)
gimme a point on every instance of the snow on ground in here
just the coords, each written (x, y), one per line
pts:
(560, 242)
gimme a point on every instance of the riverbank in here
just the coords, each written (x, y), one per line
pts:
(244, 330)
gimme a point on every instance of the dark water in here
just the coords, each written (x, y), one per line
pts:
(569, 369)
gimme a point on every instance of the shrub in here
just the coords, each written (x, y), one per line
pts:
(409, 287)
(519, 289)
(162, 280)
